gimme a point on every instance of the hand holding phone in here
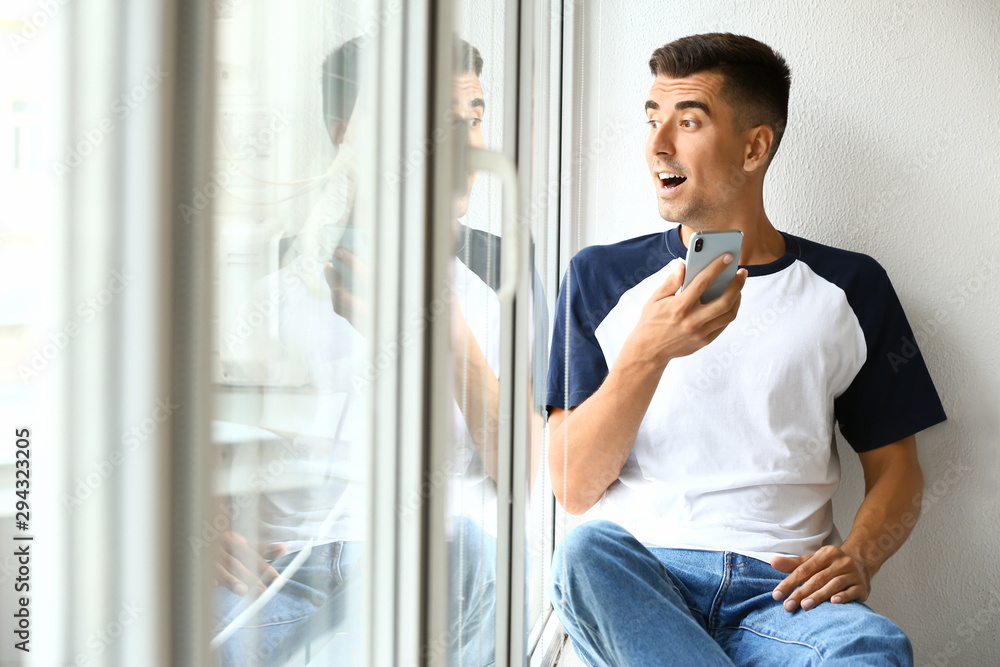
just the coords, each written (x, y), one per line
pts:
(703, 248)
(674, 325)
(341, 267)
(347, 275)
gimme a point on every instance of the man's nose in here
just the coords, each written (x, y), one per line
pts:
(662, 140)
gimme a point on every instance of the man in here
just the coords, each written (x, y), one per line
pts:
(322, 310)
(704, 432)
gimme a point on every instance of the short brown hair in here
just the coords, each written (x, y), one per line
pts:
(755, 78)
(468, 59)
(341, 71)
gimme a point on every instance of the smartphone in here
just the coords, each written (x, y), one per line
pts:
(703, 248)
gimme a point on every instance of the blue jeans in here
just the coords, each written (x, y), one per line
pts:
(623, 604)
(315, 601)
(312, 602)
(473, 634)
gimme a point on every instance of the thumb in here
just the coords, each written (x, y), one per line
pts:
(332, 279)
(673, 281)
(271, 551)
(787, 563)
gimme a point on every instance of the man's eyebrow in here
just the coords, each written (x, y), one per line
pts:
(686, 104)
(478, 102)
(693, 104)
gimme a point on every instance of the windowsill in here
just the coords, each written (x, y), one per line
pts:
(548, 651)
(568, 657)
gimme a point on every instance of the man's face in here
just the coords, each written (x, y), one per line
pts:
(691, 136)
(468, 108)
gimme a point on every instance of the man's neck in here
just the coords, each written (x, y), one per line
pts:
(762, 243)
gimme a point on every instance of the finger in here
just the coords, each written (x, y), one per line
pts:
(332, 277)
(729, 297)
(853, 593)
(345, 257)
(351, 261)
(253, 560)
(238, 569)
(799, 573)
(343, 304)
(247, 564)
(836, 585)
(709, 334)
(673, 281)
(267, 572)
(787, 563)
(268, 575)
(224, 577)
(717, 323)
(811, 588)
(272, 551)
(703, 280)
(737, 283)
(343, 299)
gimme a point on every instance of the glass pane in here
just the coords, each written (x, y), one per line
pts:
(26, 229)
(293, 266)
(476, 345)
(544, 224)
(478, 340)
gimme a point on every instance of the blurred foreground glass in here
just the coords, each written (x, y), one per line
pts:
(27, 294)
(293, 262)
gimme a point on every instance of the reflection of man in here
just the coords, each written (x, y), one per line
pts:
(474, 312)
(323, 444)
(704, 431)
(329, 343)
(475, 279)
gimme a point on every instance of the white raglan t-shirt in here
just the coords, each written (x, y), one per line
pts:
(736, 451)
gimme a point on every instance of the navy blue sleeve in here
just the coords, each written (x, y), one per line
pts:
(892, 396)
(596, 279)
(588, 367)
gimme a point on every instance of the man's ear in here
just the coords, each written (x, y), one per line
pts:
(337, 131)
(758, 147)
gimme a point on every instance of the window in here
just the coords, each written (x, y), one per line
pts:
(299, 415)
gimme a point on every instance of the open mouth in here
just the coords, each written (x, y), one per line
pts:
(671, 181)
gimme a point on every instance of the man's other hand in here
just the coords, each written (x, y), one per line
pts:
(675, 325)
(828, 574)
(348, 301)
(241, 568)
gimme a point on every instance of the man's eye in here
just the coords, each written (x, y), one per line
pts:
(653, 123)
(690, 122)
(475, 122)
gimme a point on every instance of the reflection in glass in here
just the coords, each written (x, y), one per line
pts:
(475, 320)
(477, 323)
(294, 257)
(293, 372)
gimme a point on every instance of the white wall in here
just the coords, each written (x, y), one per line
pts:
(892, 149)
